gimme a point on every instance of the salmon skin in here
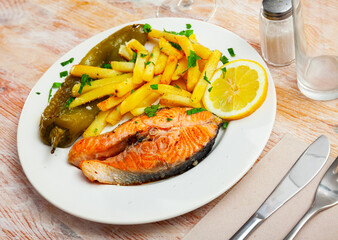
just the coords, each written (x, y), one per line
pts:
(146, 149)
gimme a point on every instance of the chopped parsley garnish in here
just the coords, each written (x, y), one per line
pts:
(206, 78)
(231, 52)
(135, 122)
(85, 79)
(224, 59)
(224, 70)
(132, 91)
(107, 65)
(95, 130)
(176, 86)
(133, 60)
(169, 119)
(192, 60)
(143, 55)
(175, 45)
(147, 28)
(151, 54)
(38, 93)
(195, 110)
(188, 26)
(209, 89)
(55, 85)
(71, 99)
(151, 111)
(154, 86)
(63, 74)
(67, 62)
(149, 63)
(186, 33)
(225, 125)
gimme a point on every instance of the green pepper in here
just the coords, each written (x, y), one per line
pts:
(61, 126)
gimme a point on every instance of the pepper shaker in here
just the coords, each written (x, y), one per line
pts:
(276, 32)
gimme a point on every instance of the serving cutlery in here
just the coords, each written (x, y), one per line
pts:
(302, 172)
(326, 196)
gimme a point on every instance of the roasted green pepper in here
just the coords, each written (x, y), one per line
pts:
(61, 126)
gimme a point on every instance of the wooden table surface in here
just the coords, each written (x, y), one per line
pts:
(35, 33)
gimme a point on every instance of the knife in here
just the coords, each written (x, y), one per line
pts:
(302, 172)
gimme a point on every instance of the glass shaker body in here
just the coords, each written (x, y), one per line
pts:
(277, 40)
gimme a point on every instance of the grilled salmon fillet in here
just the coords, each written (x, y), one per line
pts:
(146, 148)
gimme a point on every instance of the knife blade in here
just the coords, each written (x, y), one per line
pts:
(302, 172)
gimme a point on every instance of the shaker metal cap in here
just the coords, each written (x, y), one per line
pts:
(277, 9)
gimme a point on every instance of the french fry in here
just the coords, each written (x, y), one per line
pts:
(136, 46)
(201, 64)
(150, 65)
(185, 44)
(150, 99)
(206, 75)
(159, 34)
(99, 83)
(180, 70)
(114, 116)
(192, 79)
(94, 94)
(126, 52)
(111, 102)
(193, 37)
(125, 87)
(141, 60)
(93, 72)
(134, 99)
(200, 50)
(180, 83)
(96, 127)
(122, 66)
(174, 100)
(166, 48)
(193, 72)
(169, 70)
(168, 89)
(160, 64)
(115, 89)
(137, 111)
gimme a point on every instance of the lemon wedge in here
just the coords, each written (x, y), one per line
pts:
(237, 89)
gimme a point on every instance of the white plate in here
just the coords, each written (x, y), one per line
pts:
(64, 186)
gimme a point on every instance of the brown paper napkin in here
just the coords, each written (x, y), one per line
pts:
(243, 200)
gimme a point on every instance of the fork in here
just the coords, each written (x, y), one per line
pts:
(326, 196)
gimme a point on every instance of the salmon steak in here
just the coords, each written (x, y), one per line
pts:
(146, 149)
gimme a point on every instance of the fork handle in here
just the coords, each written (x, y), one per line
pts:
(312, 211)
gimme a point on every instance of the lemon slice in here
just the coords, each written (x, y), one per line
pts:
(237, 89)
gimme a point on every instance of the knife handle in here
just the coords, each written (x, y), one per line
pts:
(248, 227)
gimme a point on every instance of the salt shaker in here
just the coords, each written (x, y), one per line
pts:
(276, 32)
